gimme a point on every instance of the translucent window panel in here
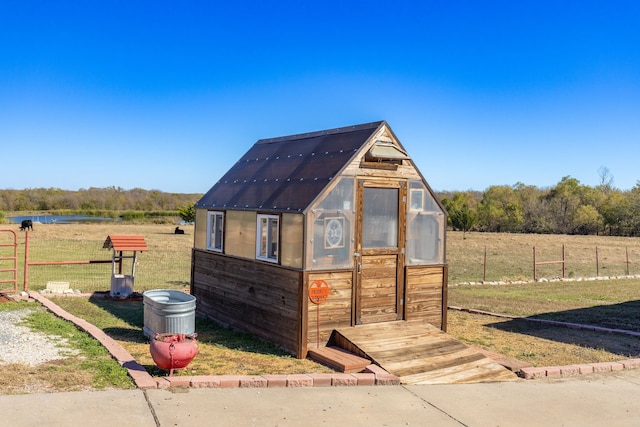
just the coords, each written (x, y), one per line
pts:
(200, 229)
(330, 228)
(240, 233)
(292, 240)
(425, 227)
(380, 218)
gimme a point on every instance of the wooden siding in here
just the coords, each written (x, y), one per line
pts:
(251, 296)
(378, 288)
(425, 297)
(335, 312)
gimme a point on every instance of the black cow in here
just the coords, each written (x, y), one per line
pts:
(178, 230)
(26, 224)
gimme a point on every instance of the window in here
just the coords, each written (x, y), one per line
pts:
(380, 218)
(267, 239)
(215, 231)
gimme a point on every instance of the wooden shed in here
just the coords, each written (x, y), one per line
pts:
(347, 207)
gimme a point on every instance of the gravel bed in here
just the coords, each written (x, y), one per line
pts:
(19, 344)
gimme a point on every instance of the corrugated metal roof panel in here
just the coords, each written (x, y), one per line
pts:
(125, 243)
(287, 173)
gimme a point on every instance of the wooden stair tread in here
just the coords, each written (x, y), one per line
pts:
(339, 359)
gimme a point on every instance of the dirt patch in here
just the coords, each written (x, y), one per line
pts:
(5, 299)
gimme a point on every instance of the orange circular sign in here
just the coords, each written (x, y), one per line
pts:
(318, 291)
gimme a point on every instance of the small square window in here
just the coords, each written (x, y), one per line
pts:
(267, 239)
(215, 231)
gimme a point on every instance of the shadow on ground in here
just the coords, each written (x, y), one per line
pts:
(209, 332)
(615, 316)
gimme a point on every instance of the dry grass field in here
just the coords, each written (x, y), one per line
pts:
(509, 257)
(166, 265)
(606, 303)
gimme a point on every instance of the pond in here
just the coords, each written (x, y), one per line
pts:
(60, 219)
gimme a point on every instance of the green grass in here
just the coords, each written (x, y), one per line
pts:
(92, 356)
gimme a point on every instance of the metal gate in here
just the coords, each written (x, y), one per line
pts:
(9, 252)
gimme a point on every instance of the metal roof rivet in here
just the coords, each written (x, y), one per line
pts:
(254, 180)
(341, 151)
(326, 152)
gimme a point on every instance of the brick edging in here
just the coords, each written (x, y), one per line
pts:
(587, 368)
(372, 375)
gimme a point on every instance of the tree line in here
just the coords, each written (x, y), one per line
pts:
(569, 207)
(566, 208)
(93, 200)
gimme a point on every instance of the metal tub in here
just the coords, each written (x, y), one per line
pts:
(168, 311)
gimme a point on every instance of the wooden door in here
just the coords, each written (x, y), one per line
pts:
(380, 251)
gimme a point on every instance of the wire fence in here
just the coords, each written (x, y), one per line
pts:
(478, 257)
(157, 268)
(534, 261)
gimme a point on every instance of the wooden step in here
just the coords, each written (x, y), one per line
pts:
(339, 359)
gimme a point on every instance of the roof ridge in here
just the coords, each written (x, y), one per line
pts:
(314, 134)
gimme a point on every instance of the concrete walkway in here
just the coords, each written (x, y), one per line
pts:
(606, 399)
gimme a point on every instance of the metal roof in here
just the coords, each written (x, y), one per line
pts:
(125, 243)
(285, 174)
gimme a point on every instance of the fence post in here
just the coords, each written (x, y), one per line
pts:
(597, 263)
(627, 253)
(25, 285)
(564, 263)
(534, 263)
(484, 266)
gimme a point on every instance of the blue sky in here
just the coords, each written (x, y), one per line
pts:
(168, 95)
